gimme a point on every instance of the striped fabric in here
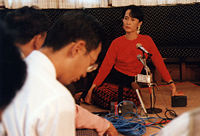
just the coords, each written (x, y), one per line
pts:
(56, 4)
(107, 93)
(74, 4)
(86, 132)
(117, 3)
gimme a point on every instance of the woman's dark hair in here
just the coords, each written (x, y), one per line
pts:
(73, 26)
(136, 12)
(12, 67)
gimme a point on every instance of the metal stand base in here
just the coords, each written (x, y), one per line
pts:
(154, 110)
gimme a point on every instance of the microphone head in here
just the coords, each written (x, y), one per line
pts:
(138, 45)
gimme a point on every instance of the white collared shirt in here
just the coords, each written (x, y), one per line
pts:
(43, 106)
(2, 130)
(186, 124)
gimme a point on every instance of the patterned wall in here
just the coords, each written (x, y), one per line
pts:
(174, 29)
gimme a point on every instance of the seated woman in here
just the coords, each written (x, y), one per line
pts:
(121, 65)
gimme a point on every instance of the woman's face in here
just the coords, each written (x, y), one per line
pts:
(130, 25)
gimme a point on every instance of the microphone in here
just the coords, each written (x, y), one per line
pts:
(139, 57)
(139, 46)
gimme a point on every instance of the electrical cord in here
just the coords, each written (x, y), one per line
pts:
(127, 126)
(167, 119)
(172, 113)
(136, 126)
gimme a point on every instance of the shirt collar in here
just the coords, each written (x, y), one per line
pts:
(41, 60)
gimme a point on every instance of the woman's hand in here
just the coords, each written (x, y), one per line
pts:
(88, 98)
(173, 89)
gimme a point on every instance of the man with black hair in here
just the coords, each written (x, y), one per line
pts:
(44, 106)
(29, 26)
(12, 71)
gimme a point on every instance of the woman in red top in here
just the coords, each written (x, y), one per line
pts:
(120, 64)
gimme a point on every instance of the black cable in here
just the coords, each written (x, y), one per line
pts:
(172, 113)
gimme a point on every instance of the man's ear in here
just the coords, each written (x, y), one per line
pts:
(78, 48)
(39, 40)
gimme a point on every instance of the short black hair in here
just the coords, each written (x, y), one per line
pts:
(12, 67)
(136, 12)
(73, 26)
(26, 22)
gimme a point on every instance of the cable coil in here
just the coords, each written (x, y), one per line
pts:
(136, 126)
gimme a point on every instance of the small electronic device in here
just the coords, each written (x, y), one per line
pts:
(143, 78)
(179, 101)
(124, 108)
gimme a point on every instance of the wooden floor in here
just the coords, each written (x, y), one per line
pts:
(163, 101)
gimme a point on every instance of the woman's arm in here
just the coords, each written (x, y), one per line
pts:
(161, 67)
(104, 70)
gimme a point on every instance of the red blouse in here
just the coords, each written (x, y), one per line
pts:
(122, 54)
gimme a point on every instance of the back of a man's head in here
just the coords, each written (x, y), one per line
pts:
(12, 68)
(26, 22)
(73, 26)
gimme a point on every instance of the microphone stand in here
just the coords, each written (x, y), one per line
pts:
(151, 87)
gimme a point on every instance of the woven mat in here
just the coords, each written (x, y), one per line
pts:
(163, 96)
